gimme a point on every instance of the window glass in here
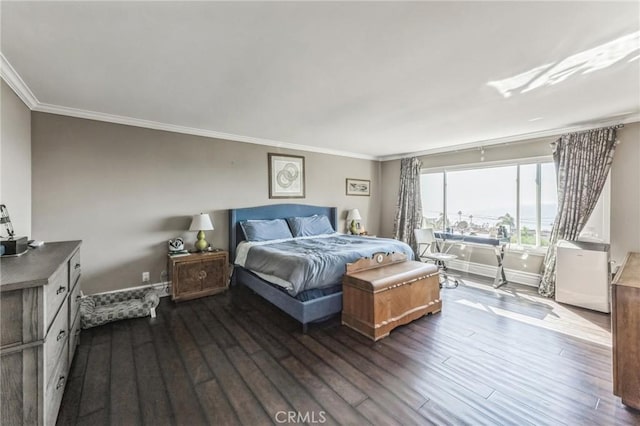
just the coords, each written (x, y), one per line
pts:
(481, 199)
(548, 201)
(432, 189)
(528, 190)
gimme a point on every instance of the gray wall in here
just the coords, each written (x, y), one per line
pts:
(125, 191)
(15, 161)
(625, 194)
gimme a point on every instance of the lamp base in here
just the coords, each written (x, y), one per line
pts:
(201, 244)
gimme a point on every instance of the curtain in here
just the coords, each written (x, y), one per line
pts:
(409, 206)
(582, 164)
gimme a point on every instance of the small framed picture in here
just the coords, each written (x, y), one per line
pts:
(358, 187)
(286, 176)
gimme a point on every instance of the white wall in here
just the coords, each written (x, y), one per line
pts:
(15, 161)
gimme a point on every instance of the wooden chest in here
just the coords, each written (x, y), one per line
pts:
(386, 291)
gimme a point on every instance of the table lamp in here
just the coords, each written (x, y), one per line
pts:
(354, 216)
(201, 222)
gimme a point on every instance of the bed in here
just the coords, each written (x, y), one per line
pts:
(321, 305)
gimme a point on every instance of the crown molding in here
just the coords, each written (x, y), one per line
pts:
(17, 84)
(129, 121)
(523, 137)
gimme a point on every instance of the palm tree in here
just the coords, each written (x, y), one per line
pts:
(507, 220)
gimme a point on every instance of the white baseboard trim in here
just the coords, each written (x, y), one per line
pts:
(163, 289)
(520, 277)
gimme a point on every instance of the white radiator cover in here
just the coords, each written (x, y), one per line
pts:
(583, 275)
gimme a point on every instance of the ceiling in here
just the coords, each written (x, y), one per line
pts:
(371, 80)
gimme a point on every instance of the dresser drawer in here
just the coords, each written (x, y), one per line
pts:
(75, 267)
(54, 343)
(55, 292)
(54, 390)
(74, 302)
(74, 337)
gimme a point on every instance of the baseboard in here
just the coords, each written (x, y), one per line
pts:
(513, 275)
(163, 289)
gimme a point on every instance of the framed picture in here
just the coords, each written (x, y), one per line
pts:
(358, 187)
(286, 176)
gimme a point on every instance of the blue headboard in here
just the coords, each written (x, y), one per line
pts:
(272, 211)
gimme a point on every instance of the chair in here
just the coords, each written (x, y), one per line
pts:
(428, 251)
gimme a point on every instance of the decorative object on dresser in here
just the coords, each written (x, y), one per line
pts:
(40, 323)
(98, 309)
(358, 187)
(355, 218)
(286, 176)
(385, 291)
(625, 331)
(12, 245)
(176, 245)
(201, 222)
(198, 274)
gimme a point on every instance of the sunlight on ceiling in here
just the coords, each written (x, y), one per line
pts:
(587, 61)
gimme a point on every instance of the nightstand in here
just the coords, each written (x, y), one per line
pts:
(198, 274)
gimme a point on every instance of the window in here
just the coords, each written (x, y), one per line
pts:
(521, 197)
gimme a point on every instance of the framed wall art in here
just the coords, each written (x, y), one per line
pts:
(286, 176)
(358, 187)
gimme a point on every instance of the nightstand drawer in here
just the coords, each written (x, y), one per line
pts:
(198, 275)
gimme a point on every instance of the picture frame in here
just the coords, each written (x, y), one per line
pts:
(286, 176)
(359, 187)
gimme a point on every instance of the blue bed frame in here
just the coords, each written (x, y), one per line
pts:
(304, 312)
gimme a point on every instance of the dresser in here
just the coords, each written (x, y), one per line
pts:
(625, 330)
(198, 274)
(40, 326)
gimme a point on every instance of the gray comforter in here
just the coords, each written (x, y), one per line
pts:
(309, 263)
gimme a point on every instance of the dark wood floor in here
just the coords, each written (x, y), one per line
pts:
(490, 357)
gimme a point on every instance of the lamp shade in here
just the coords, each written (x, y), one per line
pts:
(201, 222)
(354, 214)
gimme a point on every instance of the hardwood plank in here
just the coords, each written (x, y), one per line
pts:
(186, 409)
(194, 362)
(301, 401)
(154, 401)
(96, 385)
(396, 407)
(124, 408)
(244, 403)
(326, 397)
(240, 335)
(487, 358)
(217, 332)
(215, 405)
(268, 395)
(336, 381)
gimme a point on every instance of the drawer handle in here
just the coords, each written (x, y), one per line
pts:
(77, 266)
(77, 332)
(60, 382)
(78, 297)
(202, 275)
(61, 335)
(62, 289)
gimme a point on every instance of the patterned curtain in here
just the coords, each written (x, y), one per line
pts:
(582, 163)
(409, 207)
